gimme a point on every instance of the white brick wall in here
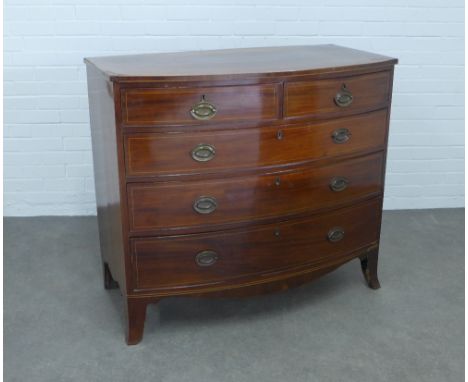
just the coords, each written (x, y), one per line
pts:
(48, 163)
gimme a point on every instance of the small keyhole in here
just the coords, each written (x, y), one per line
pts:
(277, 181)
(277, 232)
(280, 135)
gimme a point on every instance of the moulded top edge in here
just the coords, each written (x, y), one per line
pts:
(248, 62)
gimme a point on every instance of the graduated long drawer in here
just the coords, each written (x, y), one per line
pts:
(199, 203)
(156, 154)
(234, 257)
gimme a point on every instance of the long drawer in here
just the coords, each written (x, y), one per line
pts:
(228, 257)
(199, 203)
(157, 154)
(199, 105)
(338, 96)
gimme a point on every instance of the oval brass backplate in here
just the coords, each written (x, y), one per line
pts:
(341, 135)
(344, 97)
(335, 234)
(339, 183)
(206, 258)
(203, 152)
(203, 110)
(205, 205)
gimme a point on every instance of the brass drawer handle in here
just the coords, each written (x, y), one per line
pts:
(203, 110)
(341, 136)
(335, 234)
(206, 258)
(339, 183)
(344, 97)
(205, 205)
(203, 153)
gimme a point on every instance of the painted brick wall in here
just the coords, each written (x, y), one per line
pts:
(48, 162)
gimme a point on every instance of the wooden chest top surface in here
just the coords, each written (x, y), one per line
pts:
(312, 59)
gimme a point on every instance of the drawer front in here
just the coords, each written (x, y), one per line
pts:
(235, 257)
(204, 152)
(339, 96)
(179, 106)
(196, 204)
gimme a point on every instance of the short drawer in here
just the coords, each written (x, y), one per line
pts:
(194, 205)
(199, 105)
(201, 260)
(165, 154)
(340, 96)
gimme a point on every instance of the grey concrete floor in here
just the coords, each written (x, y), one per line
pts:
(61, 325)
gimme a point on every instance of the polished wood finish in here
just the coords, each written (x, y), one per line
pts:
(153, 154)
(369, 268)
(236, 172)
(169, 205)
(135, 314)
(107, 160)
(240, 63)
(169, 106)
(168, 263)
(311, 98)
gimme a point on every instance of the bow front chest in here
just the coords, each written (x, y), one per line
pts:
(236, 172)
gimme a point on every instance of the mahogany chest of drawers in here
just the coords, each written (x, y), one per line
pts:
(236, 172)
